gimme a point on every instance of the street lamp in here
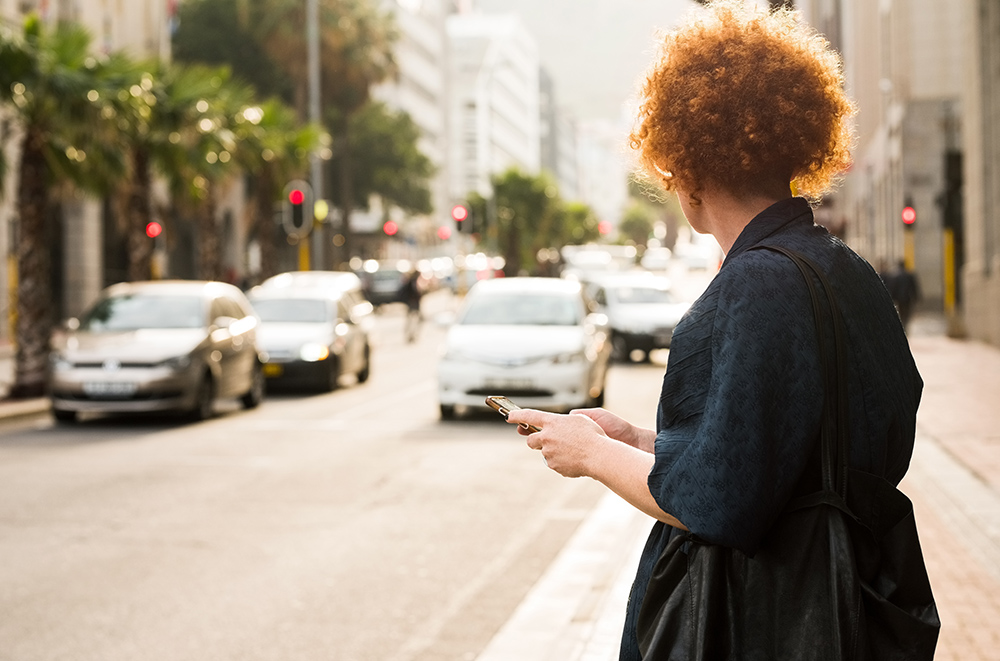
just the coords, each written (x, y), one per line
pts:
(315, 162)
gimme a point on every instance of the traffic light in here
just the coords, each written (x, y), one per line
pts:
(297, 208)
(909, 216)
(154, 229)
(460, 214)
(390, 227)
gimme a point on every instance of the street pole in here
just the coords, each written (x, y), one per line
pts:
(315, 162)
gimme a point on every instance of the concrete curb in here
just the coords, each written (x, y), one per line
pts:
(19, 408)
(576, 610)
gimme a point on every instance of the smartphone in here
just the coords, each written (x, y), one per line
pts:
(503, 406)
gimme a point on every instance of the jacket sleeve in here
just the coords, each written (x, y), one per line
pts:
(728, 472)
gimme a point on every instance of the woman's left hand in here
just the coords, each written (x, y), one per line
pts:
(568, 443)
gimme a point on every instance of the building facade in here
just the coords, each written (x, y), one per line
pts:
(494, 112)
(558, 140)
(904, 65)
(980, 118)
(420, 89)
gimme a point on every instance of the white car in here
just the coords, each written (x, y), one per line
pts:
(642, 312)
(534, 340)
(314, 328)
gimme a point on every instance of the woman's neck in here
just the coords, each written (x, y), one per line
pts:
(726, 215)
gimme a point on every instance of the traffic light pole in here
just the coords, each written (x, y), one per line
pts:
(316, 164)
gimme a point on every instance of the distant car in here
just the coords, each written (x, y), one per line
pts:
(656, 259)
(314, 329)
(642, 312)
(335, 280)
(157, 346)
(531, 339)
(383, 280)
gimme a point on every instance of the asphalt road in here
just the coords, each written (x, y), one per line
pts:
(346, 526)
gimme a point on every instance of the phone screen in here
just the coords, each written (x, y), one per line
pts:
(503, 406)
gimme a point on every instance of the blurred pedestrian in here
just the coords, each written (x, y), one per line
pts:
(741, 105)
(905, 291)
(411, 292)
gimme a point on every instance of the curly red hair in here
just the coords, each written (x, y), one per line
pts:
(746, 99)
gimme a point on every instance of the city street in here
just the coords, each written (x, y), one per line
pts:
(356, 525)
(353, 525)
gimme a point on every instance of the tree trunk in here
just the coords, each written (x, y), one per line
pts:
(209, 241)
(139, 213)
(263, 222)
(34, 271)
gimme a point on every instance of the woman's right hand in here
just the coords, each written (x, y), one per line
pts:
(620, 429)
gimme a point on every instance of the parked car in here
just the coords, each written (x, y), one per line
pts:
(534, 340)
(315, 328)
(641, 309)
(157, 346)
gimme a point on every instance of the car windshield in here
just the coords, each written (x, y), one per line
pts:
(630, 295)
(522, 309)
(298, 310)
(135, 311)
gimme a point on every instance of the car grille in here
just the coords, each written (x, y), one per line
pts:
(100, 365)
(512, 392)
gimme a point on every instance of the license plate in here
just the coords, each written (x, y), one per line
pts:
(273, 369)
(109, 389)
(501, 385)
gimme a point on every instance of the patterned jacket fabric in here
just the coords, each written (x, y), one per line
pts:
(739, 412)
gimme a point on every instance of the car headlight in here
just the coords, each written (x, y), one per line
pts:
(569, 357)
(177, 363)
(313, 353)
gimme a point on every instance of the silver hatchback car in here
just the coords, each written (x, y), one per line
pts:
(155, 346)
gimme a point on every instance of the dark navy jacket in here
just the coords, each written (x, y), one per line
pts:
(739, 412)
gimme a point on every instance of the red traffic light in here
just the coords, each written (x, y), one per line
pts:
(909, 215)
(604, 227)
(459, 212)
(296, 196)
(390, 227)
(154, 229)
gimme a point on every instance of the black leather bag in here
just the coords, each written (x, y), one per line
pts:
(839, 576)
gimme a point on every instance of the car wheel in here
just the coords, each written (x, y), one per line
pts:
(255, 395)
(64, 416)
(620, 351)
(332, 381)
(366, 371)
(447, 412)
(204, 404)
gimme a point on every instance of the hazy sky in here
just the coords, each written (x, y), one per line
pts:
(596, 50)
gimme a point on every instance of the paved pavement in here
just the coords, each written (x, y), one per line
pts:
(575, 611)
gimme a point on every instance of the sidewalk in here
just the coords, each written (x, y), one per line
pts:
(575, 611)
(15, 408)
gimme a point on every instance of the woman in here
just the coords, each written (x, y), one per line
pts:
(741, 106)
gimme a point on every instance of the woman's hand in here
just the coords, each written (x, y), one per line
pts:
(568, 443)
(620, 429)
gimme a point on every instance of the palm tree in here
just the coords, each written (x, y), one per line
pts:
(159, 110)
(203, 106)
(52, 84)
